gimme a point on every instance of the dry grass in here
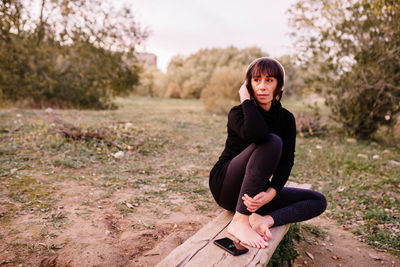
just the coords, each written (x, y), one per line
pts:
(49, 183)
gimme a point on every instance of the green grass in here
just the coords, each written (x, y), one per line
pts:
(362, 192)
(170, 146)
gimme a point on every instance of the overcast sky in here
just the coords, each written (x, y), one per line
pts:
(184, 27)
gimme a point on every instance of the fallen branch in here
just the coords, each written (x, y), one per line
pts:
(76, 133)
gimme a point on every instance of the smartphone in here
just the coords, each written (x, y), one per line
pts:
(231, 246)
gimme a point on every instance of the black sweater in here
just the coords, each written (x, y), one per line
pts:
(249, 123)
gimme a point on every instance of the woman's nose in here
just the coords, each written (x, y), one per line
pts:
(263, 86)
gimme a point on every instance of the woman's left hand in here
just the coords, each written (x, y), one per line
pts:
(259, 200)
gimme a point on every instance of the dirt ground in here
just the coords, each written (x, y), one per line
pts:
(339, 248)
(86, 232)
(157, 200)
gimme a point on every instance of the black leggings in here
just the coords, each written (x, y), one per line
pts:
(249, 173)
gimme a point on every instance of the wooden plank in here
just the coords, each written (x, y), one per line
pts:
(199, 250)
(211, 255)
(185, 252)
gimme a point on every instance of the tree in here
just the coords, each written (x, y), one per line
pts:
(351, 51)
(71, 53)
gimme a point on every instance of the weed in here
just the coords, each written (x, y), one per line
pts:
(315, 230)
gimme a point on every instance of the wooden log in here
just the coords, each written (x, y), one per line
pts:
(199, 250)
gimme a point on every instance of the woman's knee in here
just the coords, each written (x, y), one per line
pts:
(275, 139)
(274, 142)
(322, 201)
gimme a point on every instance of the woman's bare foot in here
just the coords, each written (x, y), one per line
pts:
(241, 229)
(261, 224)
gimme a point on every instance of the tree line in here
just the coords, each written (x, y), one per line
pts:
(77, 53)
(213, 75)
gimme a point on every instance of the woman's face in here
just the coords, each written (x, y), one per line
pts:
(263, 89)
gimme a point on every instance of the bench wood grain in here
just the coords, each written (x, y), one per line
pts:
(199, 249)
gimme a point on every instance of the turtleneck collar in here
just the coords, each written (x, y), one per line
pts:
(275, 107)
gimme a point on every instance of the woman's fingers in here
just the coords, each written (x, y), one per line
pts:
(252, 204)
(251, 207)
(249, 202)
(249, 199)
(243, 92)
(258, 196)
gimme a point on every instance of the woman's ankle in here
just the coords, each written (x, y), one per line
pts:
(239, 216)
(270, 220)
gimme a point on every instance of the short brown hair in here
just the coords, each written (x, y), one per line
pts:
(269, 67)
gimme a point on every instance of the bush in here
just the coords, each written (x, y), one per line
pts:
(222, 92)
(80, 76)
(49, 62)
(187, 77)
(152, 83)
(364, 103)
(193, 86)
(173, 91)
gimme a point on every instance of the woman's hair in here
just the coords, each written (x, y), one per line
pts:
(270, 67)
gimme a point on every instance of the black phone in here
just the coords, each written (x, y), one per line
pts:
(231, 246)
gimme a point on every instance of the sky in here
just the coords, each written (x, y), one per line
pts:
(184, 27)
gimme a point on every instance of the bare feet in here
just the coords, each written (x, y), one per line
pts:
(261, 224)
(241, 229)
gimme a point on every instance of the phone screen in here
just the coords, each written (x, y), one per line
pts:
(231, 246)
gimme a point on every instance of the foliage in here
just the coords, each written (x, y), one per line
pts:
(222, 91)
(74, 54)
(294, 81)
(152, 82)
(286, 251)
(350, 49)
(187, 77)
(201, 75)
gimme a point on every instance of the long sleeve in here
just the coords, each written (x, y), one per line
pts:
(286, 162)
(247, 122)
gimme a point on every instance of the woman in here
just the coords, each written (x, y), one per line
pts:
(260, 144)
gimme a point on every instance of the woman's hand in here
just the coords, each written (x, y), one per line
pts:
(259, 200)
(243, 92)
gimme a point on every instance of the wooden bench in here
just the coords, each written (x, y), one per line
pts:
(199, 250)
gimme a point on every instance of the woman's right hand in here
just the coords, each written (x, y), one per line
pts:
(243, 92)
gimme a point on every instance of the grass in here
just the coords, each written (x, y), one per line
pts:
(172, 146)
(362, 192)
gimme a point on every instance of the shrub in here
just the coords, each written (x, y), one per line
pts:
(173, 91)
(152, 83)
(193, 73)
(222, 91)
(193, 86)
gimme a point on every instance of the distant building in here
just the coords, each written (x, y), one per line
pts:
(147, 59)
